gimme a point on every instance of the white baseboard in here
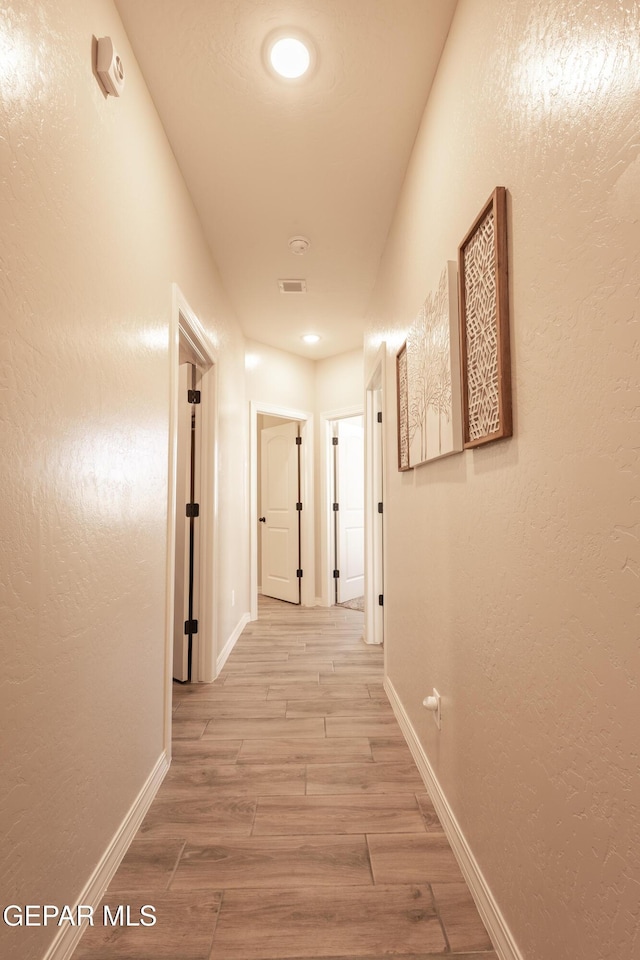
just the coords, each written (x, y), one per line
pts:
(503, 942)
(372, 643)
(68, 936)
(231, 642)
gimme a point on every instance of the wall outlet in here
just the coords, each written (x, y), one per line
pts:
(434, 704)
(233, 598)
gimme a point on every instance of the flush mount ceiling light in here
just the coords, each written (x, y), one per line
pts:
(289, 54)
(310, 338)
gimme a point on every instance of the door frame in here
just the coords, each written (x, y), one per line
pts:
(374, 485)
(184, 326)
(307, 533)
(326, 508)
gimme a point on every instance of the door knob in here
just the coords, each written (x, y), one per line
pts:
(262, 519)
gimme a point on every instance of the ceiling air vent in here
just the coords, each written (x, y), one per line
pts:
(292, 286)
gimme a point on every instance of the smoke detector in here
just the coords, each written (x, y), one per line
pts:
(299, 245)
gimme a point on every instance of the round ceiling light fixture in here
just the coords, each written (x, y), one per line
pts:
(289, 54)
(310, 338)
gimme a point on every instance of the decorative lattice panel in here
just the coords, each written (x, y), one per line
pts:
(482, 332)
(403, 409)
(485, 326)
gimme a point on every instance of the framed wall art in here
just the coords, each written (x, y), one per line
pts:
(403, 408)
(484, 325)
(433, 370)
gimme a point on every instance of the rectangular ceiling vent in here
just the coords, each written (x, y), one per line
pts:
(292, 286)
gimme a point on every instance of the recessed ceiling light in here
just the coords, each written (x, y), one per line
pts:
(310, 338)
(289, 53)
(290, 58)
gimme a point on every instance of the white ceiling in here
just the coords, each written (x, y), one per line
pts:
(267, 159)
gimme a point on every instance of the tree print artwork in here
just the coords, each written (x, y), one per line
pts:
(433, 373)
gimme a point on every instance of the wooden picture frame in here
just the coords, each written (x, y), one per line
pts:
(485, 355)
(402, 387)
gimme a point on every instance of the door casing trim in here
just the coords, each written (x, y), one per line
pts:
(374, 523)
(326, 512)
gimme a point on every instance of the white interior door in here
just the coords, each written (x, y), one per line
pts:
(279, 488)
(350, 497)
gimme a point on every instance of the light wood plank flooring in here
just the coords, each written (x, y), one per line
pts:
(293, 824)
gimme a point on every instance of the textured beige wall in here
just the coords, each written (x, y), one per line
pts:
(339, 382)
(279, 378)
(95, 224)
(512, 571)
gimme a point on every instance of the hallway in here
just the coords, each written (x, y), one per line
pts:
(293, 822)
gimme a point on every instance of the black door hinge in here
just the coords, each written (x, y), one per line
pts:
(336, 574)
(379, 416)
(336, 506)
(190, 626)
(193, 396)
(193, 509)
(379, 508)
(298, 573)
(298, 441)
(298, 506)
(380, 600)
(334, 441)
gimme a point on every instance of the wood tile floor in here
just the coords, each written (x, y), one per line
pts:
(293, 824)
